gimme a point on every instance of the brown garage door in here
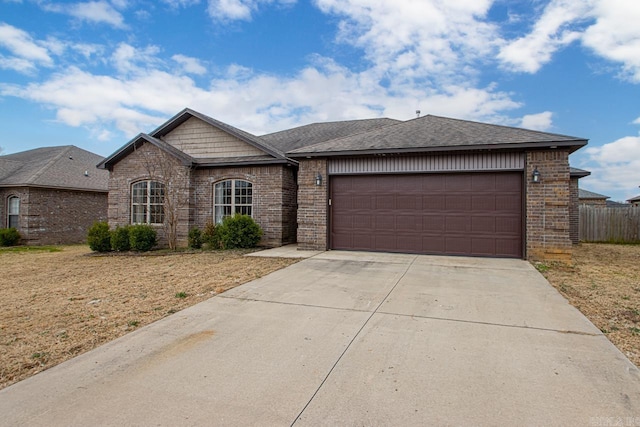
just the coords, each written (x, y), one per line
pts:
(477, 214)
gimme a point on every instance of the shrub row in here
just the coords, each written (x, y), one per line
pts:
(237, 231)
(9, 236)
(139, 237)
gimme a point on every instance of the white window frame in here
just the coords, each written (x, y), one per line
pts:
(147, 202)
(232, 196)
(13, 212)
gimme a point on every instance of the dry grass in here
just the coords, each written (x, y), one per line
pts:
(57, 305)
(604, 284)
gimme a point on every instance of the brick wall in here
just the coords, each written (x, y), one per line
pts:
(574, 214)
(149, 162)
(54, 216)
(548, 206)
(593, 202)
(274, 199)
(312, 205)
(274, 195)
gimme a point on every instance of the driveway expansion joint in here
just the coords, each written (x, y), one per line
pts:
(352, 341)
(294, 304)
(503, 325)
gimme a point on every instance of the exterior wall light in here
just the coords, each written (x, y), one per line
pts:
(318, 179)
(535, 176)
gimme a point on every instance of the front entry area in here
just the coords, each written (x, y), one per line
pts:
(475, 214)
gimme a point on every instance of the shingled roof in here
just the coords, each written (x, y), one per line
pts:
(586, 194)
(303, 136)
(54, 167)
(434, 133)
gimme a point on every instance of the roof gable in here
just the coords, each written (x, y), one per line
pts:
(66, 167)
(172, 124)
(434, 133)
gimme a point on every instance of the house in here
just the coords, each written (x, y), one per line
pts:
(591, 199)
(431, 185)
(635, 201)
(52, 195)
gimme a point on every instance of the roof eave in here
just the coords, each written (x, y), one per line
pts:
(205, 164)
(55, 187)
(572, 145)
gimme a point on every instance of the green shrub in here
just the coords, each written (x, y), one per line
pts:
(99, 237)
(142, 237)
(120, 240)
(239, 231)
(210, 235)
(195, 238)
(9, 236)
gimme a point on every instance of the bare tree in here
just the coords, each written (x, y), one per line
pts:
(165, 168)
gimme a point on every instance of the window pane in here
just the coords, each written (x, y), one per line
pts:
(139, 192)
(156, 214)
(14, 205)
(139, 214)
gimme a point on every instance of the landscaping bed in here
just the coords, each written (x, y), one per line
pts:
(61, 302)
(604, 284)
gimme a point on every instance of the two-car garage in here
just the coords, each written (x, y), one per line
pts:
(478, 213)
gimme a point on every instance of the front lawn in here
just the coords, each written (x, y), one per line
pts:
(60, 302)
(604, 284)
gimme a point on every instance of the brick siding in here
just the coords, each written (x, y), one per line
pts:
(55, 216)
(312, 205)
(574, 213)
(274, 195)
(548, 206)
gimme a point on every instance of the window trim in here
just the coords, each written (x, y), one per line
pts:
(148, 207)
(235, 194)
(13, 214)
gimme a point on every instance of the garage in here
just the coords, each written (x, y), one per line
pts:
(473, 214)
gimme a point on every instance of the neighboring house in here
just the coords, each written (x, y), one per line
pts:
(429, 185)
(52, 195)
(635, 201)
(592, 199)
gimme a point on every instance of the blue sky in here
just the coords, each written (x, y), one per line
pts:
(96, 73)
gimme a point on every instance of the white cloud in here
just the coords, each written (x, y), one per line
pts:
(99, 12)
(433, 38)
(553, 30)
(128, 59)
(541, 121)
(615, 166)
(232, 10)
(190, 65)
(616, 34)
(180, 3)
(23, 47)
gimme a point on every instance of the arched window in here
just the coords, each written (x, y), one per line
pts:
(147, 202)
(231, 197)
(13, 212)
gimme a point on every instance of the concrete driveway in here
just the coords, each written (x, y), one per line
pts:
(348, 338)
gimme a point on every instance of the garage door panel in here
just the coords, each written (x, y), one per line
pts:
(433, 203)
(433, 223)
(458, 214)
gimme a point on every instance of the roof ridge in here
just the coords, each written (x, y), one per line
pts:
(48, 164)
(498, 125)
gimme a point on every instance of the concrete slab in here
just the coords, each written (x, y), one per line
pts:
(347, 283)
(287, 251)
(351, 338)
(411, 371)
(222, 362)
(509, 293)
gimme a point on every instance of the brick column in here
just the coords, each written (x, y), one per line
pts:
(312, 205)
(547, 206)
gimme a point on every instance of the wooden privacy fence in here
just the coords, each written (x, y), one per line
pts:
(601, 224)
